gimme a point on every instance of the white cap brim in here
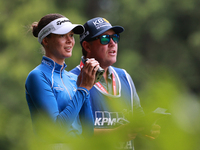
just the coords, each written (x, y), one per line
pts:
(78, 29)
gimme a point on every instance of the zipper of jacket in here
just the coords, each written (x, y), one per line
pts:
(64, 84)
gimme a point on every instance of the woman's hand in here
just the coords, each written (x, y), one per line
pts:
(87, 76)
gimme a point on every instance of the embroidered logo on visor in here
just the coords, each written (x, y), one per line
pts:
(62, 21)
(46, 31)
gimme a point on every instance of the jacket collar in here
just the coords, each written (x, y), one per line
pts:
(52, 64)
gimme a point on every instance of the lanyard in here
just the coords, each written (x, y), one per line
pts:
(101, 86)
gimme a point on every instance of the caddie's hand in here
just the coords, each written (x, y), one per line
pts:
(155, 131)
(127, 132)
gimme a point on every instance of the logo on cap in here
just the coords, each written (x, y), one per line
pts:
(101, 22)
(84, 35)
(106, 20)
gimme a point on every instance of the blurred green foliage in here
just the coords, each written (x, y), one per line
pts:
(160, 49)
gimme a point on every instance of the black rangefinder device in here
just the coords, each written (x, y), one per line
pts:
(99, 72)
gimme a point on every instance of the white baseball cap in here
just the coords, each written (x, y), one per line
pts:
(60, 26)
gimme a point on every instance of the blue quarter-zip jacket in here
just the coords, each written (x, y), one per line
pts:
(50, 89)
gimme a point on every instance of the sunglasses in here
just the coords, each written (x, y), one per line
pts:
(105, 39)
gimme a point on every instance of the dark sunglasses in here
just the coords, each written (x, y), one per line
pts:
(105, 39)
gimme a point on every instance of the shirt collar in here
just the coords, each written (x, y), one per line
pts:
(109, 73)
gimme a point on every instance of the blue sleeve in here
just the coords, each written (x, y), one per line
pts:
(86, 115)
(40, 98)
(86, 118)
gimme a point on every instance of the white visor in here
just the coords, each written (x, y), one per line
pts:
(60, 26)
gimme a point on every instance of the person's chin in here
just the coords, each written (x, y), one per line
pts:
(68, 55)
(112, 62)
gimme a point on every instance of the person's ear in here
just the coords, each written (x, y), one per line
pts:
(45, 41)
(86, 46)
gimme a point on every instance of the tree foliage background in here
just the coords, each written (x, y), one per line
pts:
(160, 49)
